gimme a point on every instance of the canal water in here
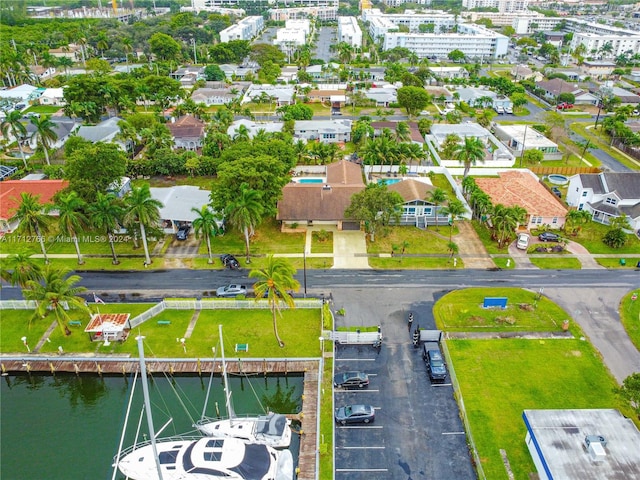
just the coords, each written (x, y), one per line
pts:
(67, 427)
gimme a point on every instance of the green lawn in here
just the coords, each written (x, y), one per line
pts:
(556, 263)
(397, 262)
(630, 316)
(602, 141)
(440, 181)
(321, 245)
(501, 262)
(461, 311)
(590, 237)
(615, 263)
(485, 237)
(326, 422)
(203, 182)
(43, 109)
(418, 241)
(500, 378)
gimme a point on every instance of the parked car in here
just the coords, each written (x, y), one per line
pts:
(230, 261)
(232, 290)
(351, 380)
(523, 241)
(556, 191)
(564, 106)
(549, 237)
(183, 233)
(355, 414)
(508, 109)
(432, 357)
(499, 109)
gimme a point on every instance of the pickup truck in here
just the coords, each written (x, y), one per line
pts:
(434, 361)
(232, 290)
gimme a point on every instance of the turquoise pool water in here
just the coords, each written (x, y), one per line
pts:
(311, 180)
(389, 181)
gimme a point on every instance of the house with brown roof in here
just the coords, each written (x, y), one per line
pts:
(323, 202)
(188, 132)
(523, 189)
(417, 211)
(414, 131)
(11, 191)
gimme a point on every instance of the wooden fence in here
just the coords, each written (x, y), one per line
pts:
(567, 171)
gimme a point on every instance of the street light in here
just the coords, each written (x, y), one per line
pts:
(321, 345)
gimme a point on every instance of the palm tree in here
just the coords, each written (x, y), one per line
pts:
(242, 134)
(575, 217)
(402, 133)
(106, 213)
(44, 134)
(33, 220)
(437, 196)
(245, 213)
(19, 268)
(144, 210)
(71, 218)
(300, 150)
(454, 209)
(205, 225)
(504, 224)
(275, 281)
(469, 152)
(56, 293)
(65, 62)
(13, 125)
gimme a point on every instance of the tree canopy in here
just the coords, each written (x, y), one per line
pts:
(413, 99)
(376, 205)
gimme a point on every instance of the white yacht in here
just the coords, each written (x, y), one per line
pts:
(272, 429)
(205, 458)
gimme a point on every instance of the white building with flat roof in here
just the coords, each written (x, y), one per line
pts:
(396, 3)
(412, 20)
(529, 23)
(299, 24)
(593, 43)
(501, 5)
(349, 31)
(208, 4)
(320, 13)
(245, 29)
(286, 37)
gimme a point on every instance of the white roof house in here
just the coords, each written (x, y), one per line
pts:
(382, 96)
(19, 95)
(254, 127)
(324, 131)
(586, 444)
(52, 96)
(283, 94)
(290, 36)
(519, 137)
(177, 204)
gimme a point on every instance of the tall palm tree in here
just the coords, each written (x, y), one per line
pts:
(504, 224)
(19, 268)
(12, 124)
(56, 293)
(469, 152)
(71, 218)
(454, 209)
(575, 217)
(44, 134)
(205, 225)
(143, 210)
(245, 213)
(106, 212)
(402, 133)
(437, 197)
(242, 134)
(275, 281)
(33, 219)
(300, 150)
(65, 62)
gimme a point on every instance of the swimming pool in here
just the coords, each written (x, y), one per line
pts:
(558, 179)
(389, 181)
(310, 180)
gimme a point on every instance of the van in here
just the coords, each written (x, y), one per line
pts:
(523, 241)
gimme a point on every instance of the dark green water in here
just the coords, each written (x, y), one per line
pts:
(67, 427)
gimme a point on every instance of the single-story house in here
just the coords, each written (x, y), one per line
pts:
(326, 95)
(439, 93)
(417, 211)
(177, 204)
(187, 76)
(325, 131)
(523, 72)
(64, 127)
(322, 203)
(214, 96)
(583, 97)
(52, 96)
(375, 74)
(477, 97)
(582, 443)
(523, 189)
(554, 87)
(521, 137)
(327, 72)
(607, 195)
(414, 131)
(39, 73)
(281, 94)
(382, 97)
(72, 51)
(239, 72)
(449, 72)
(626, 97)
(253, 127)
(11, 190)
(597, 68)
(572, 74)
(188, 132)
(20, 96)
(106, 131)
(288, 74)
(554, 38)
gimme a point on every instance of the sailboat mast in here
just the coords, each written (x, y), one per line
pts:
(147, 403)
(227, 390)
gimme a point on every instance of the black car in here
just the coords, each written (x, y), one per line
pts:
(436, 368)
(183, 233)
(556, 191)
(355, 414)
(549, 237)
(351, 380)
(230, 261)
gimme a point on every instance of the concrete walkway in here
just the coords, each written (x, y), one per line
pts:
(583, 255)
(350, 250)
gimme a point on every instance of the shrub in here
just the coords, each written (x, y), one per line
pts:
(615, 238)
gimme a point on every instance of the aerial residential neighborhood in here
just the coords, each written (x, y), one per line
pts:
(411, 230)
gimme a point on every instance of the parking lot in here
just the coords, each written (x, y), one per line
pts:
(417, 431)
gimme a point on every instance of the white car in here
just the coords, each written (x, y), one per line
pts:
(508, 109)
(499, 109)
(232, 290)
(523, 241)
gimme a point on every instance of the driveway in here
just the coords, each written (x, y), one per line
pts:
(349, 250)
(471, 248)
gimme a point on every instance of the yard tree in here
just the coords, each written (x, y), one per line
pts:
(205, 226)
(33, 220)
(163, 46)
(55, 293)
(71, 218)
(265, 52)
(574, 218)
(376, 206)
(630, 391)
(567, 97)
(245, 213)
(105, 213)
(44, 134)
(93, 167)
(437, 197)
(455, 208)
(456, 55)
(214, 73)
(297, 111)
(276, 282)
(87, 96)
(12, 124)
(533, 156)
(470, 151)
(413, 99)
(19, 268)
(143, 211)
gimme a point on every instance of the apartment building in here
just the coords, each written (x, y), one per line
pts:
(245, 29)
(209, 4)
(619, 43)
(410, 19)
(319, 13)
(396, 3)
(501, 5)
(349, 31)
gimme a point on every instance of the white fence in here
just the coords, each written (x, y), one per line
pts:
(355, 337)
(147, 314)
(18, 304)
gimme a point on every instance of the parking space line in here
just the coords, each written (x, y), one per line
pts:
(453, 433)
(361, 448)
(360, 390)
(368, 426)
(440, 384)
(362, 469)
(356, 359)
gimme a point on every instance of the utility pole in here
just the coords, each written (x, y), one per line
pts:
(195, 54)
(524, 139)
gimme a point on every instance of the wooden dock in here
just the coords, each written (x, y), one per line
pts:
(308, 416)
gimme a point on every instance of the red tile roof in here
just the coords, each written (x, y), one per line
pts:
(10, 191)
(524, 190)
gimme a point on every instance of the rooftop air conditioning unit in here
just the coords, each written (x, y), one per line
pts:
(595, 447)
